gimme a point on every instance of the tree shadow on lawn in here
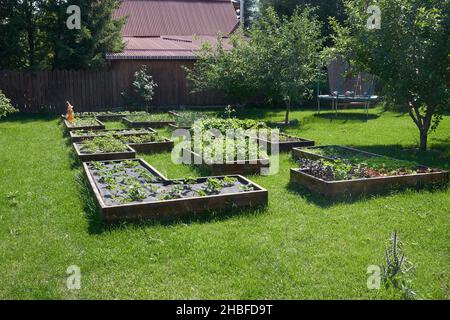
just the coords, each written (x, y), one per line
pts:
(437, 157)
(315, 198)
(324, 202)
(29, 117)
(347, 116)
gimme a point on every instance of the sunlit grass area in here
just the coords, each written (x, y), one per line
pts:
(300, 246)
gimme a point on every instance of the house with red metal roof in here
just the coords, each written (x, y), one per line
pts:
(165, 35)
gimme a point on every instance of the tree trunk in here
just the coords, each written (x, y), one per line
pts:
(288, 109)
(423, 139)
(30, 34)
(422, 122)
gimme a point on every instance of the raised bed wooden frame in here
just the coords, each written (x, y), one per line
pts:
(174, 113)
(357, 187)
(116, 133)
(146, 124)
(84, 157)
(175, 127)
(303, 153)
(367, 186)
(231, 167)
(164, 210)
(100, 126)
(284, 146)
(153, 147)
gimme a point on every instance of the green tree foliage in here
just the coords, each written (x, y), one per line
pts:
(409, 54)
(280, 60)
(250, 12)
(5, 106)
(325, 9)
(229, 72)
(34, 34)
(20, 37)
(86, 47)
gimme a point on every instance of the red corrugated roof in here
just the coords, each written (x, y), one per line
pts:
(164, 47)
(165, 29)
(147, 18)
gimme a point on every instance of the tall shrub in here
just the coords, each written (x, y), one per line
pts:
(5, 106)
(144, 86)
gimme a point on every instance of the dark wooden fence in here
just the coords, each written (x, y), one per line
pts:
(35, 91)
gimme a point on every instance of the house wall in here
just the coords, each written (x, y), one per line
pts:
(173, 87)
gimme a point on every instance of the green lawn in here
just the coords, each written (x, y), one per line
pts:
(299, 247)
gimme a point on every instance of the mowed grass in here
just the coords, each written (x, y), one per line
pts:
(300, 247)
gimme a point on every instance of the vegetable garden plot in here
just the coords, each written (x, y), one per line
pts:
(80, 135)
(121, 147)
(335, 172)
(99, 155)
(333, 152)
(132, 190)
(156, 120)
(225, 153)
(185, 119)
(84, 124)
(106, 115)
(253, 166)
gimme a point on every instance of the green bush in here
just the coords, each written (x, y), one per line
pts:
(5, 106)
(144, 86)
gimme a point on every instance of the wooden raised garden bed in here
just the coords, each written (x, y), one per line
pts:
(308, 153)
(338, 172)
(129, 121)
(175, 127)
(366, 186)
(286, 143)
(78, 135)
(158, 198)
(174, 113)
(231, 167)
(153, 147)
(129, 154)
(98, 126)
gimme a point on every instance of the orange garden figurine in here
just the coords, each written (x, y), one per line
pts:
(70, 115)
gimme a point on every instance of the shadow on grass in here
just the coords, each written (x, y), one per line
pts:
(437, 157)
(347, 116)
(91, 208)
(293, 124)
(75, 161)
(324, 202)
(203, 218)
(320, 200)
(29, 117)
